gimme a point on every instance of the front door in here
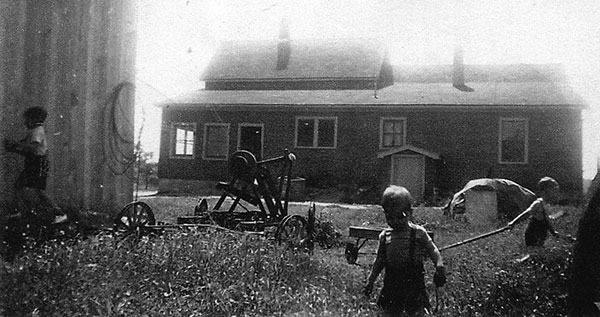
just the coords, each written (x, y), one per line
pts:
(409, 171)
(251, 139)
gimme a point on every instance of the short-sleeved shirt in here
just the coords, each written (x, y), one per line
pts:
(397, 245)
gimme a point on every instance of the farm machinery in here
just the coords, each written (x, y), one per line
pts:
(264, 186)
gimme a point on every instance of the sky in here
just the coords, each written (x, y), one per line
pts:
(176, 39)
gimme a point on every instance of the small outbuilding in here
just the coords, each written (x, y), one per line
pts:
(510, 198)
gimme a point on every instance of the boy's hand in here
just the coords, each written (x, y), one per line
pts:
(439, 278)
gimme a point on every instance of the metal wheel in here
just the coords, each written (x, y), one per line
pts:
(243, 165)
(293, 230)
(133, 218)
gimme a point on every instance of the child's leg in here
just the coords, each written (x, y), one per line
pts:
(47, 203)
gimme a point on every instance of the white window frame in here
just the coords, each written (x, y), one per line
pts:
(316, 132)
(262, 135)
(205, 138)
(526, 149)
(173, 140)
(381, 120)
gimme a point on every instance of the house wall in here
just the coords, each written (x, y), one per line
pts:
(466, 139)
(468, 143)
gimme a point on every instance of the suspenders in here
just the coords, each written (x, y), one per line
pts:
(412, 241)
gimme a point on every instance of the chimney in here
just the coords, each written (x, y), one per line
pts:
(458, 71)
(283, 47)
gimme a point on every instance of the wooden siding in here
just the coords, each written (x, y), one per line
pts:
(466, 140)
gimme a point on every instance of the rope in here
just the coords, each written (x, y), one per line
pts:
(116, 155)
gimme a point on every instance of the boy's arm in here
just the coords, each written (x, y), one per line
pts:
(551, 228)
(527, 211)
(433, 251)
(25, 147)
(439, 278)
(378, 265)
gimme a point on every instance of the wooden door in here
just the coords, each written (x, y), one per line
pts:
(409, 171)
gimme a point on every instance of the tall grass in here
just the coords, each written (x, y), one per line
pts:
(181, 274)
(219, 273)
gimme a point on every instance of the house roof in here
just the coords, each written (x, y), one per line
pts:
(510, 73)
(309, 59)
(400, 94)
(409, 148)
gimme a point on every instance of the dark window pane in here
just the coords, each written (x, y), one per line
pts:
(326, 133)
(393, 133)
(306, 131)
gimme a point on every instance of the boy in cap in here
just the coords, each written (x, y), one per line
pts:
(401, 253)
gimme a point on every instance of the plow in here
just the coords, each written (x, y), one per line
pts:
(258, 198)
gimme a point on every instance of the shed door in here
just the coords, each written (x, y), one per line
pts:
(251, 139)
(409, 171)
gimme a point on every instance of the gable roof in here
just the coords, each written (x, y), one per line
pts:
(408, 148)
(309, 59)
(485, 94)
(498, 73)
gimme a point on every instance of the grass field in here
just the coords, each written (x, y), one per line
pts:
(215, 273)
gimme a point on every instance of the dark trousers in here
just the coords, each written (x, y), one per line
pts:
(404, 291)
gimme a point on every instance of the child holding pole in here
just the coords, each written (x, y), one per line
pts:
(539, 222)
(401, 253)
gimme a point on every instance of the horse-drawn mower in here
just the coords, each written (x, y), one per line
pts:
(258, 193)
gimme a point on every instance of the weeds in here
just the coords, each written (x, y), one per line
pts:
(186, 272)
(216, 273)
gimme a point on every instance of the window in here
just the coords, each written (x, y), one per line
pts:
(393, 132)
(216, 141)
(182, 140)
(513, 140)
(250, 138)
(316, 132)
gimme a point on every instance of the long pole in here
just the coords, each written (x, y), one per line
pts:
(485, 235)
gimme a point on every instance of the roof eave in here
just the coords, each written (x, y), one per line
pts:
(277, 79)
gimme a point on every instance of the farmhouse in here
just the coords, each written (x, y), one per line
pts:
(354, 120)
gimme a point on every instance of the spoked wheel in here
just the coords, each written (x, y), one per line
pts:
(133, 219)
(293, 230)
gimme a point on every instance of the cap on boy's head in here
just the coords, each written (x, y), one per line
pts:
(547, 182)
(396, 198)
(36, 114)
